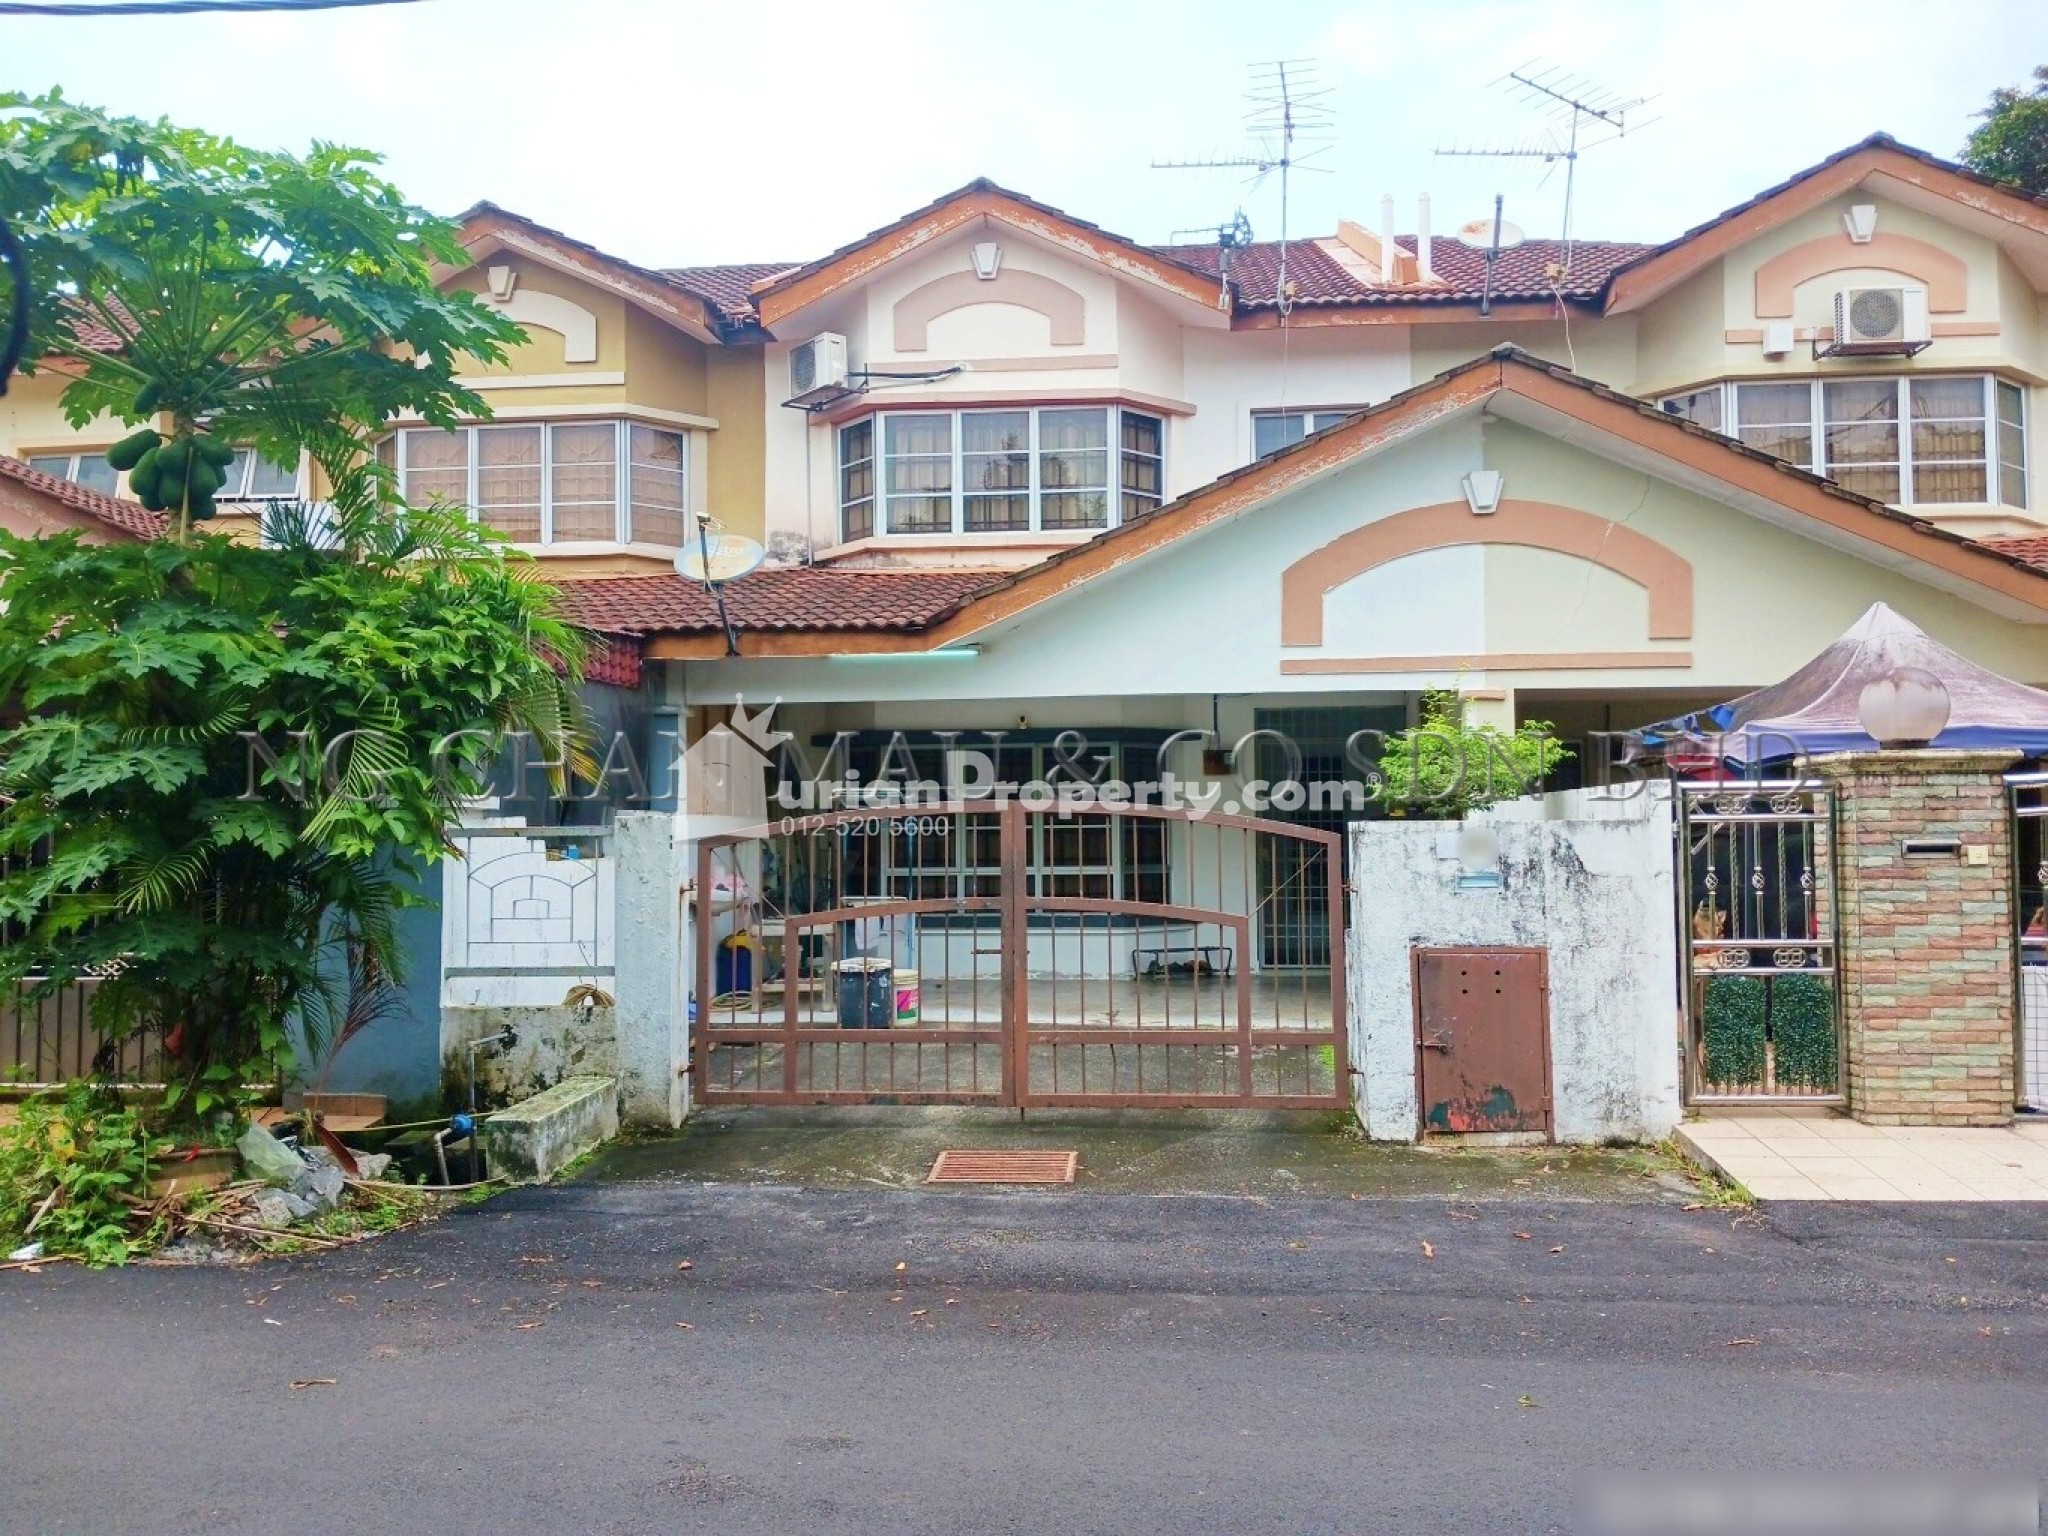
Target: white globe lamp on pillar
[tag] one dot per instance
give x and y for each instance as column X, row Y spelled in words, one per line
column 1907, row 707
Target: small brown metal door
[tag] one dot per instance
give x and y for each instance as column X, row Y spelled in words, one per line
column 1482, row 1039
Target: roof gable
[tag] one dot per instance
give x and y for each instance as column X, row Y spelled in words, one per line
column 487, row 229
column 1896, row 169
column 982, row 201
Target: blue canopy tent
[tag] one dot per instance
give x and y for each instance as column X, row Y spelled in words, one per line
column 1818, row 708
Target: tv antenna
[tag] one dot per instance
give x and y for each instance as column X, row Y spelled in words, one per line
column 1572, row 105
column 1288, row 125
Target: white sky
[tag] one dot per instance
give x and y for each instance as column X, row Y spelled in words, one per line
column 680, row 131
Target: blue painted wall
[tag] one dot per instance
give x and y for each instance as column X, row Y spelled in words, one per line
column 399, row 1056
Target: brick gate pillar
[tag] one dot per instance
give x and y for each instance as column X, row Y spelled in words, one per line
column 1926, row 957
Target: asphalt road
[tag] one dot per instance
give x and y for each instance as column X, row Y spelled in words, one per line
column 883, row 1361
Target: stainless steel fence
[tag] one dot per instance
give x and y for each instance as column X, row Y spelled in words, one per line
column 1756, row 887
column 2030, row 934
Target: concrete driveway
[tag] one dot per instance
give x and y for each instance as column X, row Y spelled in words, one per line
column 906, row 1361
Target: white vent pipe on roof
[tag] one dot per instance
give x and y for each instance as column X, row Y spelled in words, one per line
column 1423, row 266
column 1387, row 272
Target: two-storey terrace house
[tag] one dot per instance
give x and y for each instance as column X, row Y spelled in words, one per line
column 1019, row 474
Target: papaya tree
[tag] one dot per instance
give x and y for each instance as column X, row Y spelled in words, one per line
column 216, row 296
column 215, row 756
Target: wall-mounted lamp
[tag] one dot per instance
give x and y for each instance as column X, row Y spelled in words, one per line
column 1482, row 490
column 1906, row 708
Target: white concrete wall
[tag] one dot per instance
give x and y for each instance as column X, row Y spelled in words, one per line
column 653, row 1032
column 509, row 902
column 1587, row 878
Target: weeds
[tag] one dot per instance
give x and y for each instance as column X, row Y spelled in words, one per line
column 73, row 1173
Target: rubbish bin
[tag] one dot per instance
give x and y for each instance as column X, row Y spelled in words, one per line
column 867, row 993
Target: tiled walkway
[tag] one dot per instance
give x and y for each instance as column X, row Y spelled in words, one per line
column 1795, row 1155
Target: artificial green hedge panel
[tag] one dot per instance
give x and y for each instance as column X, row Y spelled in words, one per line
column 1734, row 1027
column 1803, row 1029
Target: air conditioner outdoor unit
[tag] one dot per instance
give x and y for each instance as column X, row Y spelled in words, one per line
column 1871, row 321
column 817, row 369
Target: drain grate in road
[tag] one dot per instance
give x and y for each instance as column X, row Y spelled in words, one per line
column 955, row 1166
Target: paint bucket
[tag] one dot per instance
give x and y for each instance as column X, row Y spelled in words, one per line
column 867, row 993
column 906, row 997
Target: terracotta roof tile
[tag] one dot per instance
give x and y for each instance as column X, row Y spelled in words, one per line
column 1318, row 279
column 2032, row 548
column 729, row 288
column 128, row 516
column 781, row 598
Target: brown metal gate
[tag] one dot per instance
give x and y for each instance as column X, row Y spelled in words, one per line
column 1030, row 954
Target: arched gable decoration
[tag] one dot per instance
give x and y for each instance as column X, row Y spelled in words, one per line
column 576, row 325
column 1661, row 572
column 1946, row 277
column 1062, row 307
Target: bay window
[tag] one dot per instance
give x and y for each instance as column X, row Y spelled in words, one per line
column 565, row 482
column 1013, row 470
column 1909, row 440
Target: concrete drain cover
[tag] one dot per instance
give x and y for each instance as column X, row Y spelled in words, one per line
column 961, row 1167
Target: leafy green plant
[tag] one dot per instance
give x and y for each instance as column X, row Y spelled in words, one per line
column 1733, row 1027
column 253, row 298
column 1445, row 766
column 225, row 751
column 1803, row 1039
column 70, row 1168
column 2012, row 142
column 223, row 757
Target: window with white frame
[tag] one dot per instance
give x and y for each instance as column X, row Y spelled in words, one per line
column 89, row 469
column 1909, row 439
column 252, row 477
column 563, row 482
column 1274, row 430
column 1010, row 470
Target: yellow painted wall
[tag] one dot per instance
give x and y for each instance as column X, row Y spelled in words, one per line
column 736, row 478
column 31, row 420
column 1684, row 333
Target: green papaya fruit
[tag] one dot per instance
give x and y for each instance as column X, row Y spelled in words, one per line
column 203, row 479
column 149, row 399
column 142, row 478
column 128, row 452
column 215, row 452
column 149, row 497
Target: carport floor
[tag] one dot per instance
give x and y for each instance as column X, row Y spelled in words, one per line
column 1239, row 1153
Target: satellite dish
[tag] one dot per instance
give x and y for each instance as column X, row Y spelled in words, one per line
column 1480, row 233
column 719, row 558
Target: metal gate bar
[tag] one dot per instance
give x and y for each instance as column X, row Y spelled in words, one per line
column 1062, row 955
column 2030, row 938
column 1758, row 930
